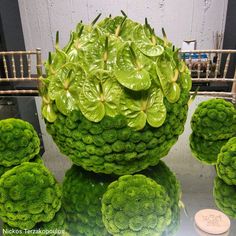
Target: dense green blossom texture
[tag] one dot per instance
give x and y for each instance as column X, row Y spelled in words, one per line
column 115, row 97
column 136, row 205
column 214, row 119
column 29, row 194
column 55, row 227
column 166, row 178
column 19, row 142
column 82, row 194
column 226, row 162
column 225, row 197
column 205, row 150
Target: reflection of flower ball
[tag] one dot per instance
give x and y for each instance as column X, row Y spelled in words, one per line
column 136, row 205
column 29, row 194
column 82, row 193
column 226, row 162
column 19, row 142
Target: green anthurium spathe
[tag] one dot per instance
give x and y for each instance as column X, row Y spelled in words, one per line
column 130, row 71
column 47, row 109
column 142, row 107
column 185, row 79
column 99, row 96
column 168, row 76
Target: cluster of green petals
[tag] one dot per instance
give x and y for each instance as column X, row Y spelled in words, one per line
column 226, row 162
column 82, row 194
column 225, row 197
column 19, row 142
column 29, row 194
column 136, row 205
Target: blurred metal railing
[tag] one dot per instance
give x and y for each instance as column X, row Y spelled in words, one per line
column 17, row 68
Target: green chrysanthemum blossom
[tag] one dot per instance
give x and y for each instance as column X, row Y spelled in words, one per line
column 166, row 178
column 205, row 150
column 136, row 205
column 82, row 193
column 214, row 119
column 225, row 197
column 226, row 162
column 19, row 142
column 29, row 194
column 115, row 97
column 55, row 227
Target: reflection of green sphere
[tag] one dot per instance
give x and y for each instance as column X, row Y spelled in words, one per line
column 165, row 177
column 226, row 163
column 225, row 197
column 136, row 205
column 19, row 142
column 214, row 119
column 82, row 193
column 55, row 227
column 29, row 194
column 205, row 150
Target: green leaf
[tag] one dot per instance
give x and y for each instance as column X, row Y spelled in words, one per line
column 100, row 96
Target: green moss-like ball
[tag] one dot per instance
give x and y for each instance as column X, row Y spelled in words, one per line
column 55, row 227
column 225, row 197
column 166, row 178
column 205, row 150
column 214, row 119
column 226, row 162
column 136, row 205
column 82, row 193
column 29, row 194
column 19, row 142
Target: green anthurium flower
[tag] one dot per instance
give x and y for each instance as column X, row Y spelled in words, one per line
column 131, row 72
column 99, row 96
column 185, row 79
column 47, row 109
column 143, row 106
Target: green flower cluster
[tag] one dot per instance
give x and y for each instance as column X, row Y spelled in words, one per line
column 213, row 123
column 225, row 197
column 19, row 142
column 29, row 194
column 82, row 193
column 55, row 227
column 166, row 178
column 136, row 205
column 115, row 97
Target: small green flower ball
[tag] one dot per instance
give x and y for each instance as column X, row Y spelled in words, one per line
column 226, row 163
column 19, row 142
column 29, row 194
column 214, row 119
column 225, row 197
column 137, row 206
column 205, row 150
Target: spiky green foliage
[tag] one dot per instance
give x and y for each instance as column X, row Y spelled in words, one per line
column 115, row 97
column 36, row 159
column 166, row 178
column 82, row 193
column 225, row 197
column 226, row 162
column 214, row 119
column 55, row 227
column 29, row 194
column 136, row 205
column 205, row 150
column 19, row 142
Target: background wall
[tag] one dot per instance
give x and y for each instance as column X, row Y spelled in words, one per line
column 182, row 19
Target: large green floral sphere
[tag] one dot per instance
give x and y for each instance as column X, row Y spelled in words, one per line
column 82, row 194
column 29, row 194
column 115, row 97
column 225, row 197
column 136, row 205
column 214, row 119
column 166, row 178
column 226, row 162
column 19, row 142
